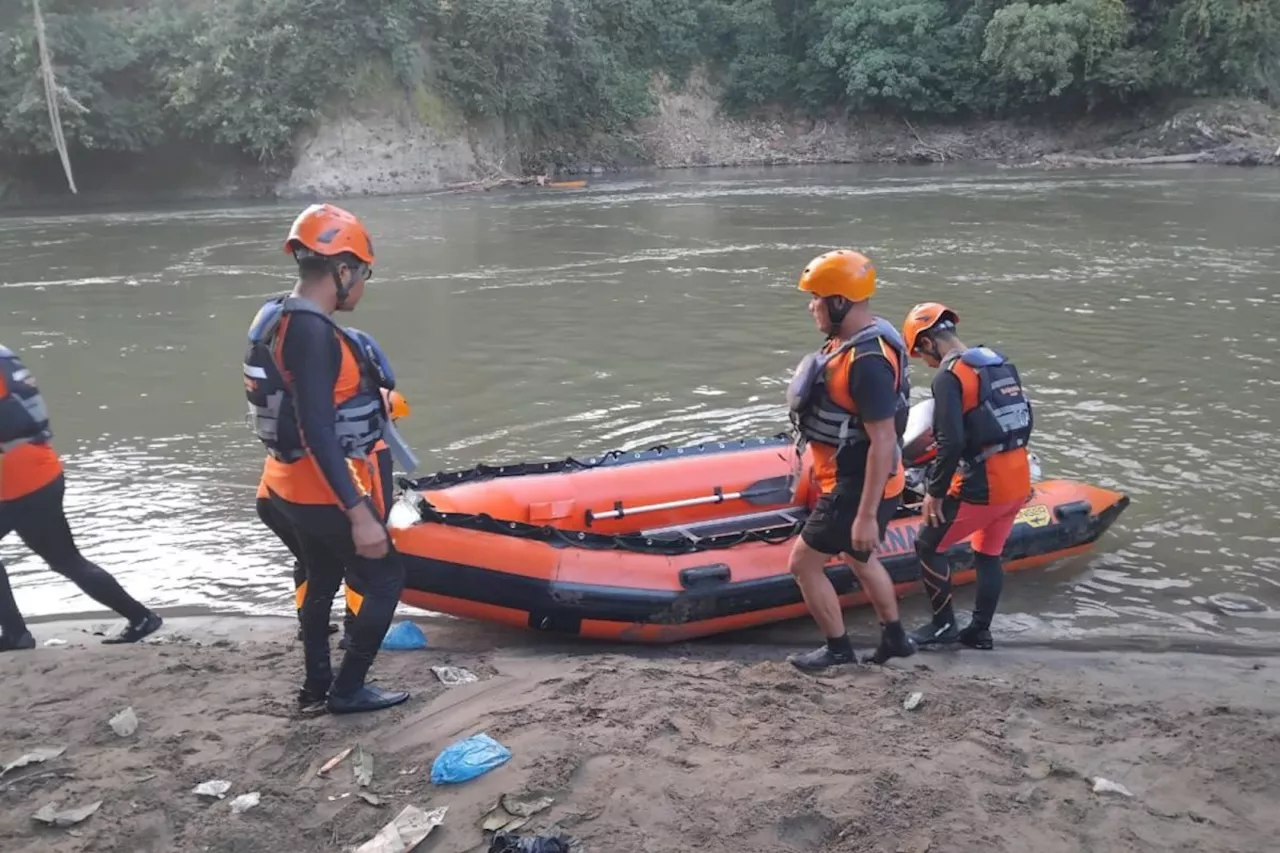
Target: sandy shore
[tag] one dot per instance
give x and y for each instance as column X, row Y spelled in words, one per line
column 710, row 747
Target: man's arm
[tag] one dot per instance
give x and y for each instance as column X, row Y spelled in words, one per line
column 312, row 356
column 948, row 432
column 872, row 384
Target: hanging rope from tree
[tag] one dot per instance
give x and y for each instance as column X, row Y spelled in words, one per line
column 51, row 95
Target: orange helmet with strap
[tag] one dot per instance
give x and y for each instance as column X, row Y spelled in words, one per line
column 924, row 317
column 842, row 272
column 328, row 230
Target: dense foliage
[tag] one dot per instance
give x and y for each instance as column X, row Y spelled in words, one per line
column 250, row 73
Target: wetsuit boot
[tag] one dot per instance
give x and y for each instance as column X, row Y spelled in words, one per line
column 135, row 631
column 940, row 631
column 836, row 652
column 17, row 642
column 315, row 653
column 976, row 637
column 977, row 634
column 349, row 694
column 894, row 643
column 937, row 582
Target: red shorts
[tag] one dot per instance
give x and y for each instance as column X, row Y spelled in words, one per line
column 988, row 524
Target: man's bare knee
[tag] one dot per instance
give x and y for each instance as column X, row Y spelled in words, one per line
column 805, row 561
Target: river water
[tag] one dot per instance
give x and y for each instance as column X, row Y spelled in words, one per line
column 1139, row 305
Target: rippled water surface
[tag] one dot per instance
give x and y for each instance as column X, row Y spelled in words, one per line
column 1141, row 307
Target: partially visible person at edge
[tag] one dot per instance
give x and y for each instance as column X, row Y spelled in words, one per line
column 849, row 403
column 397, row 407
column 315, row 397
column 32, row 487
column 981, row 476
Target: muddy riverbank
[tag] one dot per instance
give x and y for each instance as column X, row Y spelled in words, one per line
column 714, row 747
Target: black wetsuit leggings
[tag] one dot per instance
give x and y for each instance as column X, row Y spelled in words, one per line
column 271, row 516
column 275, row 520
column 41, row 523
column 328, row 555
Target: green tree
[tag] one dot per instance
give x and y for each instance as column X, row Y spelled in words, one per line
column 107, row 95
column 1224, row 46
column 1076, row 49
column 136, row 74
column 895, row 55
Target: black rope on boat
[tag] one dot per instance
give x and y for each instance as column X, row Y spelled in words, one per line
column 635, row 542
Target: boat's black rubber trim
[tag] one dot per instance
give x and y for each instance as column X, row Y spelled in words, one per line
column 561, row 607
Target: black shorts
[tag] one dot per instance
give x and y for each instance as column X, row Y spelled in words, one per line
column 829, row 528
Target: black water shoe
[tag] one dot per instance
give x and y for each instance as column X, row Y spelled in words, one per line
column 976, row 638
column 18, row 643
column 934, row 634
column 135, row 632
column 837, row 652
column 367, row 698
column 312, row 699
column 894, row 643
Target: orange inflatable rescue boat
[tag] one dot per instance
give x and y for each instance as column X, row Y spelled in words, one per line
column 668, row 544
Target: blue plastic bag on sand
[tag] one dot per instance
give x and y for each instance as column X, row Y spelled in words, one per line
column 405, row 635
column 467, row 759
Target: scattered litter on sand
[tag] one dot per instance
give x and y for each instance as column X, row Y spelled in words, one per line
column 405, row 832
column 333, row 762
column 708, row 747
column 468, row 758
column 213, row 788
column 67, row 817
column 506, row 843
column 244, row 802
column 404, row 636
column 511, row 812
column 1106, row 786
column 362, row 767
column 124, row 723
column 454, row 675
column 35, row 756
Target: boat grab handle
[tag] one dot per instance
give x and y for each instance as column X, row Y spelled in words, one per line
column 699, row 575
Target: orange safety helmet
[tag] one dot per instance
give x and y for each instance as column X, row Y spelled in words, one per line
column 922, row 318
column 843, row 272
column 397, row 405
column 325, row 229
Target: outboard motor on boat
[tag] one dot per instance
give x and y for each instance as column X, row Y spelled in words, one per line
column 918, row 446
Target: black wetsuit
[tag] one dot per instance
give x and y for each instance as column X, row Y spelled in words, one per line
column 312, row 357
column 41, row 522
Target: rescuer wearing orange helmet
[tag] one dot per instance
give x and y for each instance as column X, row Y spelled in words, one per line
column 981, row 476
column 315, row 398
column 849, row 402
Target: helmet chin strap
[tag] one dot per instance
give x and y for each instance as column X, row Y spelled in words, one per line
column 343, row 290
column 837, row 309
